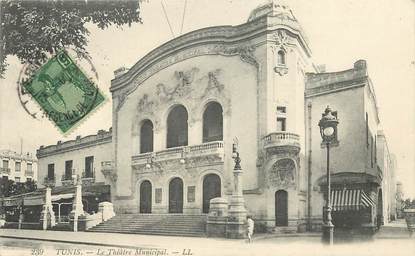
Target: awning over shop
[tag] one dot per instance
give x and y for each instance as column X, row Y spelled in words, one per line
column 350, row 200
column 62, row 196
column 58, row 193
column 12, row 201
column 34, row 200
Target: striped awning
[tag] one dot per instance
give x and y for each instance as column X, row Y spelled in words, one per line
column 350, row 200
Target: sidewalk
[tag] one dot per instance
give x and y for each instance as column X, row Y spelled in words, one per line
column 305, row 244
column 113, row 239
column 394, row 230
column 196, row 245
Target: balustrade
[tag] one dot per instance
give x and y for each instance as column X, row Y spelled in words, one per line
column 5, row 170
column 281, row 139
column 49, row 181
column 210, row 148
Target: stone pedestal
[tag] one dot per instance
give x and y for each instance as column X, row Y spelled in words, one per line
column 44, row 218
column 77, row 214
column 217, row 218
column 47, row 216
column 236, row 226
column 107, row 210
column 80, row 222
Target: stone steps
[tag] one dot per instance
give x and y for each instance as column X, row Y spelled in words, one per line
column 155, row 224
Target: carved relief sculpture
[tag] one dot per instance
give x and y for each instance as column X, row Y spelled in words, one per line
column 282, row 173
column 181, row 89
column 246, row 53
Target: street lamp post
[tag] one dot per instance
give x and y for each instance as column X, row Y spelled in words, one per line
column 237, row 170
column 328, row 131
column 236, row 225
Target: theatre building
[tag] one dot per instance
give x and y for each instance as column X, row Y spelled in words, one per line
column 178, row 111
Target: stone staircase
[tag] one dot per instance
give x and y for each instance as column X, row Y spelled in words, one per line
column 155, row 224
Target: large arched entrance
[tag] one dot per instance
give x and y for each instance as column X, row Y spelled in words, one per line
column 211, row 189
column 281, row 208
column 212, row 123
column 176, row 196
column 145, row 197
column 177, row 127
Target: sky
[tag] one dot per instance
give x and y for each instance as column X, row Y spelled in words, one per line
column 340, row 32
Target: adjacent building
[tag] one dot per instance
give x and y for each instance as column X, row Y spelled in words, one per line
column 387, row 164
column 360, row 165
column 63, row 164
column 80, row 157
column 18, row 167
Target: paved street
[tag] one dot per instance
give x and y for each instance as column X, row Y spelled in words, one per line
column 23, row 247
column 107, row 244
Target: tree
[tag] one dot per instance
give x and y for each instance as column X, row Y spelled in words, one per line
column 10, row 188
column 31, row 29
column 408, row 204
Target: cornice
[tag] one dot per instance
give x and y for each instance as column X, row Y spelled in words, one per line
column 335, row 87
column 62, row 148
column 220, row 36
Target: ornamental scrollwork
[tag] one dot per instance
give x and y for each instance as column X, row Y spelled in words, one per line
column 281, row 39
column 245, row 52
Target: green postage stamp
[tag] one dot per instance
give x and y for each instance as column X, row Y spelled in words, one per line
column 63, row 91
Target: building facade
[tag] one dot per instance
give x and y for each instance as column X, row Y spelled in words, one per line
column 81, row 157
column 387, row 164
column 179, row 111
column 18, row 167
column 360, row 165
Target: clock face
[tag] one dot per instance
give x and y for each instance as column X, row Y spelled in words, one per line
column 328, row 131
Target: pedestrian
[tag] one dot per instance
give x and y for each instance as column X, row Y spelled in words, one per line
column 250, row 225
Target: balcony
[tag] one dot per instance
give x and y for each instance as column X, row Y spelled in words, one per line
column 5, row 170
column 49, row 181
column 88, row 177
column 188, row 156
column 282, row 142
column 29, row 173
column 67, row 180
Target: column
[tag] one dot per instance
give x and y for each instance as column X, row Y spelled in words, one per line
column 237, row 212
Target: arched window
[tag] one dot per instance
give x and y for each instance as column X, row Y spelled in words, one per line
column 281, row 57
column 146, row 137
column 212, row 122
column 177, row 127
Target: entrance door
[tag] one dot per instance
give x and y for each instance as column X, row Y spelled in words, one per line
column 176, row 196
column 281, row 208
column 145, row 197
column 211, row 189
